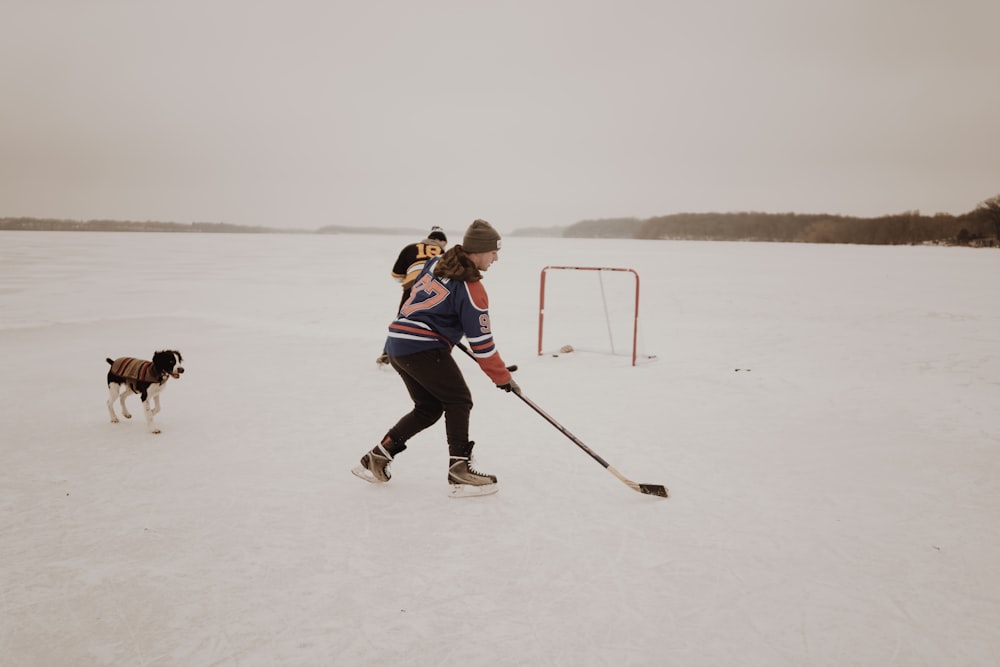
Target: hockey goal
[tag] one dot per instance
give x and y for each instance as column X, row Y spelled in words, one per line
column 577, row 307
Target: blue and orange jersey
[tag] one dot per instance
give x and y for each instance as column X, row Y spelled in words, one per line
column 439, row 313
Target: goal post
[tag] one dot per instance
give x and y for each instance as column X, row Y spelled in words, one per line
column 541, row 301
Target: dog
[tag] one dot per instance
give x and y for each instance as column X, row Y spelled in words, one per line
column 129, row 375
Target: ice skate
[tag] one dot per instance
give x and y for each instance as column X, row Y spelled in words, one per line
column 467, row 482
column 374, row 465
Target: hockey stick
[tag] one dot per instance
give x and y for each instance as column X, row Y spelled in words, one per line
column 648, row 489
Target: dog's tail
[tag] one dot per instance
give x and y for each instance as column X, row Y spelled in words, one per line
column 110, row 362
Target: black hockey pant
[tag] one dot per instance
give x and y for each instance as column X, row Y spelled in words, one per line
column 437, row 387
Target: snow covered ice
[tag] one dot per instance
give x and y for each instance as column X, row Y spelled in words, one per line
column 825, row 418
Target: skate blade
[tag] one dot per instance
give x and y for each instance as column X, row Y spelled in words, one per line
column 472, row 490
column 366, row 474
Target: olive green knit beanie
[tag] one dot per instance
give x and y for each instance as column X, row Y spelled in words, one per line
column 481, row 237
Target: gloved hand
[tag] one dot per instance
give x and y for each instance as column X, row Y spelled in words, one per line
column 510, row 386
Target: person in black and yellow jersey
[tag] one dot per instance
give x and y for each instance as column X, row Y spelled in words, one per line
column 411, row 262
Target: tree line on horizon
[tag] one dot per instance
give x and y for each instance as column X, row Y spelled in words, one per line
column 978, row 227
column 61, row 225
column 981, row 226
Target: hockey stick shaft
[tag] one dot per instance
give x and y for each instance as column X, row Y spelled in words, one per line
column 648, row 489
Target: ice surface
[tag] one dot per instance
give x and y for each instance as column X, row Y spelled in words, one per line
column 824, row 416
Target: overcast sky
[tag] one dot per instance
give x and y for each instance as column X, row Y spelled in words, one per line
column 305, row 113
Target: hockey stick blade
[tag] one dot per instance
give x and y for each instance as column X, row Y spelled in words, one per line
column 654, row 490
column 649, row 489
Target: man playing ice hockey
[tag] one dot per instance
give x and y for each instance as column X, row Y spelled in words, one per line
column 411, row 262
column 412, row 258
column 447, row 302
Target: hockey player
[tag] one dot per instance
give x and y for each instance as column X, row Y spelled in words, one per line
column 411, row 262
column 447, row 302
column 412, row 258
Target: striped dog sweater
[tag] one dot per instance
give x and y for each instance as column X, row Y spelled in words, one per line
column 135, row 369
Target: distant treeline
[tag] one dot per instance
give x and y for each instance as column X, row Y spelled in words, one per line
column 51, row 225
column 57, row 225
column 978, row 227
column 342, row 229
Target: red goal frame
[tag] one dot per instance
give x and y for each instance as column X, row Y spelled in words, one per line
column 541, row 301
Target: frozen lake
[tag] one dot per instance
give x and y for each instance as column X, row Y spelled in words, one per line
column 824, row 416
